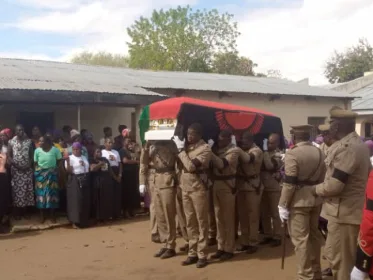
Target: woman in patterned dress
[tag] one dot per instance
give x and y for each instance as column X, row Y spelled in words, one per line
column 20, row 155
column 46, row 159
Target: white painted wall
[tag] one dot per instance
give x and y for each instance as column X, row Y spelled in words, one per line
column 93, row 118
column 292, row 110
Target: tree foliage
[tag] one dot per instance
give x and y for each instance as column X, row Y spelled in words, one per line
column 101, row 58
column 351, row 64
column 233, row 64
column 181, row 39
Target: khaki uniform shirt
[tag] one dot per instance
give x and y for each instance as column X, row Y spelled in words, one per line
column 343, row 190
column 225, row 166
column 194, row 178
column 270, row 175
column 157, row 165
column 304, row 168
column 248, row 172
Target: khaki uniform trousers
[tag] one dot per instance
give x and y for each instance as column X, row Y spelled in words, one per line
column 270, row 218
column 224, row 205
column 328, row 249
column 343, row 242
column 306, row 238
column 195, row 205
column 248, row 206
column 181, row 215
column 165, row 213
column 212, row 219
column 153, row 221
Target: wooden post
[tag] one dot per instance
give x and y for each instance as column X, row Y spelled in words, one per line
column 78, row 120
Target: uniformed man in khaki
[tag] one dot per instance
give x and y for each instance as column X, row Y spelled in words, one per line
column 249, row 193
column 158, row 165
column 328, row 141
column 271, row 177
column 143, row 181
column 225, row 163
column 195, row 158
column 304, row 168
column 343, row 190
column 180, row 212
column 212, row 220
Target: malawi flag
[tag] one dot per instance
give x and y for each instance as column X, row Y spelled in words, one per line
column 213, row 116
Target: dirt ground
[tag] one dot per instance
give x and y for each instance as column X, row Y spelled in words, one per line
column 123, row 251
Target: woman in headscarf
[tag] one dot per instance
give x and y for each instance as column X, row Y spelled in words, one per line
column 130, row 195
column 102, row 183
column 76, row 137
column 116, row 166
column 5, row 189
column 78, row 187
column 46, row 159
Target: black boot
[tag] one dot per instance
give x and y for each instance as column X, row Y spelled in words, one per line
column 252, row 250
column 168, row 254
column 189, row 261
column 266, row 241
column 160, row 253
column 276, row 243
column 201, row 263
column 184, row 248
column 243, row 248
column 218, row 254
column 226, row 256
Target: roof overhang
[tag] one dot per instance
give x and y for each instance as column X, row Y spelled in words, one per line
column 77, row 97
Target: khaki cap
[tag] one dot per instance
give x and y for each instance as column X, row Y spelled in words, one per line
column 339, row 113
column 306, row 128
column 324, row 127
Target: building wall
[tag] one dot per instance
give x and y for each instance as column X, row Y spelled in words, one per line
column 292, row 110
column 362, row 124
column 93, row 118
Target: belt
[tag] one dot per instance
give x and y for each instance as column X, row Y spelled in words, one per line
column 307, row 183
column 197, row 172
column 369, row 204
column 223, row 177
column 163, row 170
column 243, row 177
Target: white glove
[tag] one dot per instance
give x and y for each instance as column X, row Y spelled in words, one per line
column 315, row 144
column 282, row 157
column 211, row 143
column 265, row 144
column 179, row 143
column 357, row 274
column 233, row 140
column 142, row 190
column 284, row 213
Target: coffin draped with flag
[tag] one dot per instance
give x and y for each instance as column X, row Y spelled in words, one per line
column 177, row 114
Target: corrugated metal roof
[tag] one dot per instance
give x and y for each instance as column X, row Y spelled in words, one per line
column 366, row 100
column 55, row 76
column 48, row 75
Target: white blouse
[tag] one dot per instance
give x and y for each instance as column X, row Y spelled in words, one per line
column 112, row 156
column 79, row 165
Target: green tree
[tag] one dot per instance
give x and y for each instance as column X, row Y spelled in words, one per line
column 101, row 58
column 181, row 39
column 233, row 64
column 351, row 64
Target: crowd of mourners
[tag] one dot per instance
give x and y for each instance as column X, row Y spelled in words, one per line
column 68, row 171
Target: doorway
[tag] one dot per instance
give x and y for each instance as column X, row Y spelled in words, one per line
column 44, row 120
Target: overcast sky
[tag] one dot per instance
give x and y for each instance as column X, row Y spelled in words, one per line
column 293, row 36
